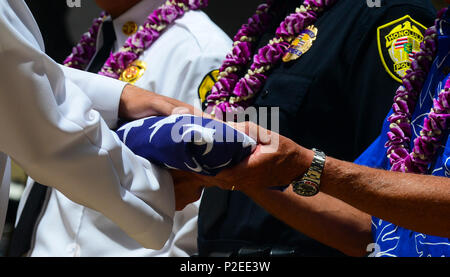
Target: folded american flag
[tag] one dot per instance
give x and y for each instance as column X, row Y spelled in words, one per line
column 187, row 142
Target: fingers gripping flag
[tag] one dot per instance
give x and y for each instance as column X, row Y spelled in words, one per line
column 187, row 142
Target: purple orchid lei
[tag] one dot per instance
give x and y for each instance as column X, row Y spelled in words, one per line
column 232, row 93
column 84, row 51
column 136, row 44
column 435, row 124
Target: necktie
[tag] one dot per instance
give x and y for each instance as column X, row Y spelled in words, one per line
column 109, row 37
column 22, row 235
column 21, row 238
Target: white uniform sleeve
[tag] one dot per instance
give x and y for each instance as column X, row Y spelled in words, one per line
column 185, row 232
column 104, row 92
column 50, row 128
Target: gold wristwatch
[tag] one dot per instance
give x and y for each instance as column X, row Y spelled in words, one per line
column 309, row 184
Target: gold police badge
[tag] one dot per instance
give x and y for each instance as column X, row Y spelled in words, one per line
column 133, row 72
column 129, row 28
column 301, row 44
column 206, row 86
column 398, row 41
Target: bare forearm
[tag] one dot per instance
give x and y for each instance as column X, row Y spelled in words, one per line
column 322, row 217
column 417, row 202
column 136, row 103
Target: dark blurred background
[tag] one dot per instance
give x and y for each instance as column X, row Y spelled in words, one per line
column 62, row 28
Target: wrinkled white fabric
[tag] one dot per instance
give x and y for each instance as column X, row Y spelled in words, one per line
column 49, row 126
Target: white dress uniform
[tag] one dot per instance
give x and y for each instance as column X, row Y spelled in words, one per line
column 176, row 64
column 49, row 126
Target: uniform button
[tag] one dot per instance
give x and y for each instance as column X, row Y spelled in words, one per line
column 129, row 28
column 265, row 93
column 74, row 250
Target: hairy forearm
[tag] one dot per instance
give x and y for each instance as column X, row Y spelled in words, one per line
column 417, row 202
column 321, row 217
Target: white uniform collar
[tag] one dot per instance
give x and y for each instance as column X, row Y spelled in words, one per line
column 138, row 14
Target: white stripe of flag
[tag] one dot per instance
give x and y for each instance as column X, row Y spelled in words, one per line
column 400, row 42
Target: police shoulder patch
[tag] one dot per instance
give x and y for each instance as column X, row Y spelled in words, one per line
column 206, row 86
column 398, row 41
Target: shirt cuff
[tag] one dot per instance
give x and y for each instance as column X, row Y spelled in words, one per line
column 106, row 98
column 104, row 92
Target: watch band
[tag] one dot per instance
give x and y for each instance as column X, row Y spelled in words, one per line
column 309, row 183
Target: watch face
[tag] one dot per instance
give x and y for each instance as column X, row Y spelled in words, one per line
column 305, row 188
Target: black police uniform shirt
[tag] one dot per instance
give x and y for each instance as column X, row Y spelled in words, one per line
column 333, row 98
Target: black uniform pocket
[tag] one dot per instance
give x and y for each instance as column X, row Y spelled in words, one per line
column 285, row 91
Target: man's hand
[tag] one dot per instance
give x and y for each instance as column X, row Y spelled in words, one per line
column 136, row 103
column 188, row 188
column 271, row 164
column 276, row 161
